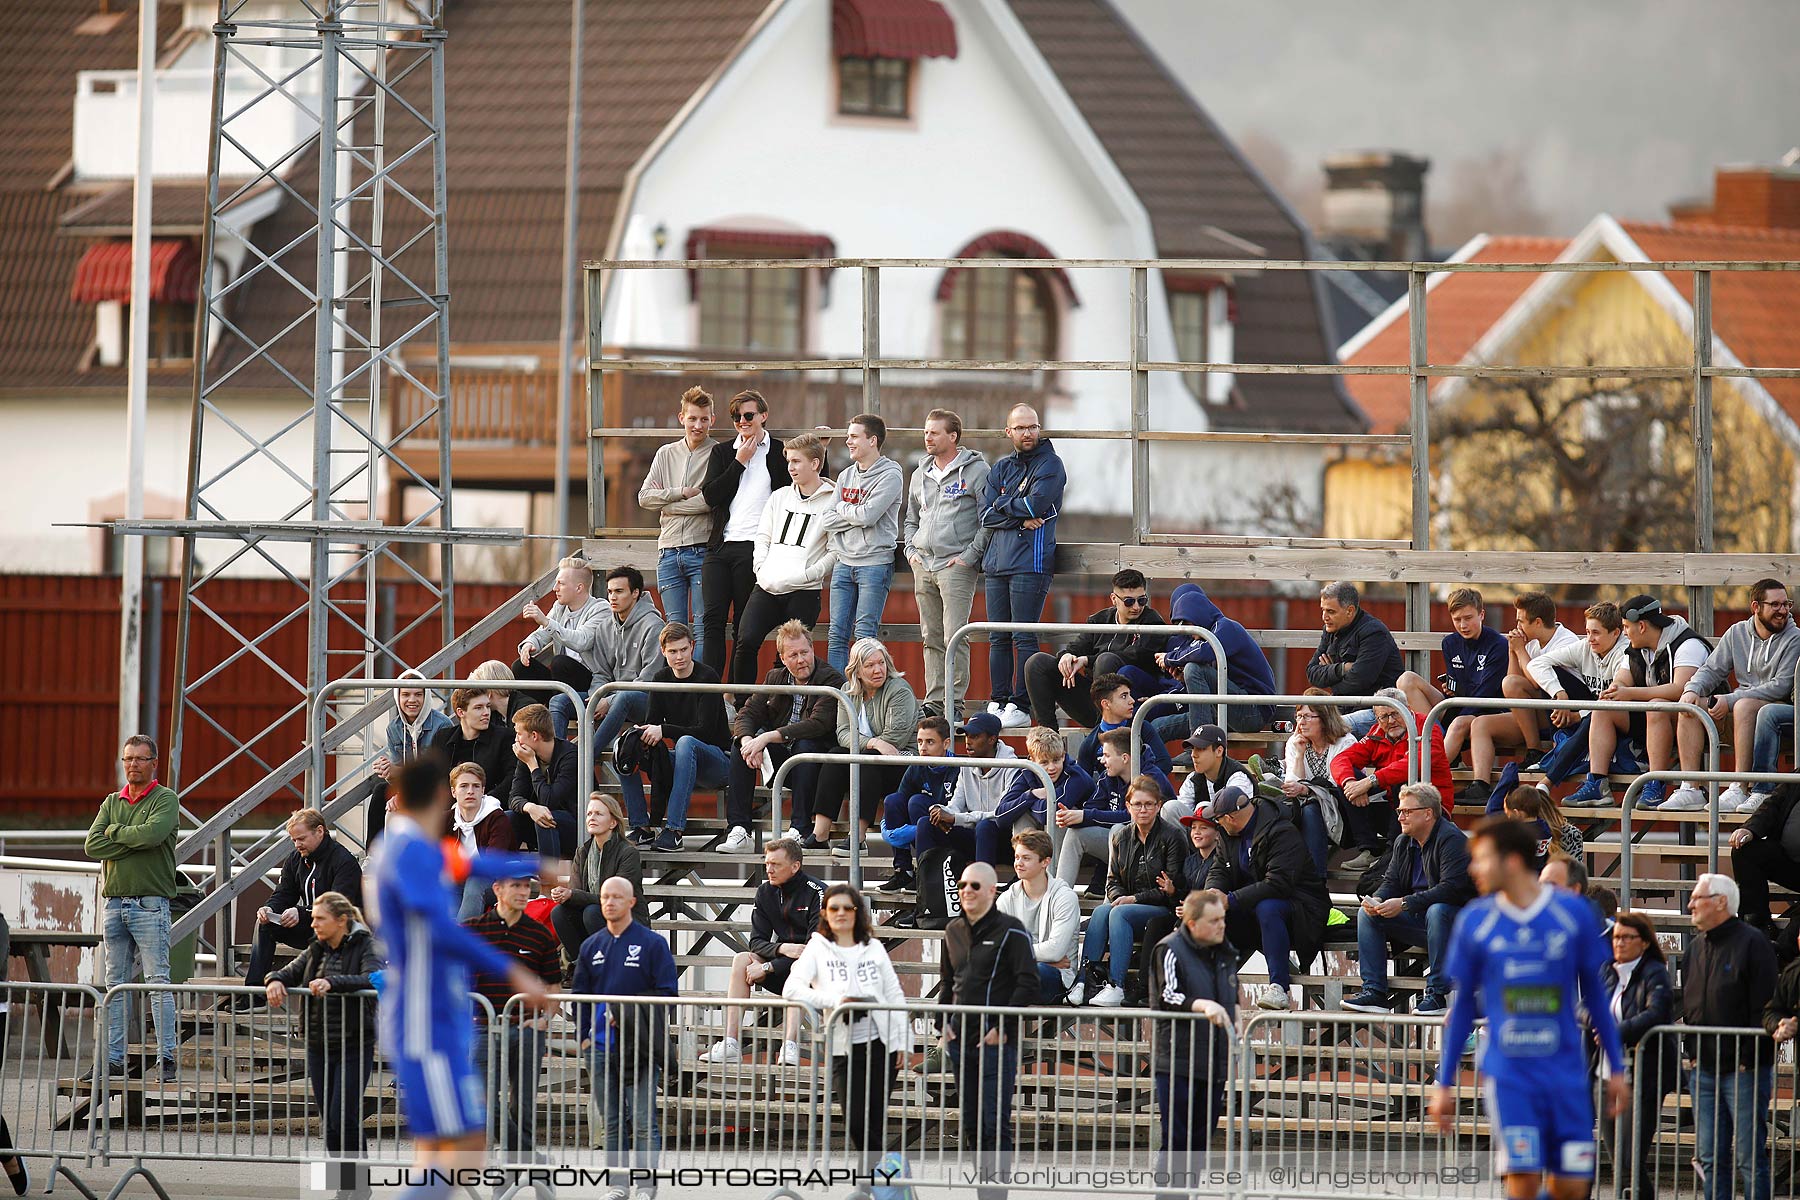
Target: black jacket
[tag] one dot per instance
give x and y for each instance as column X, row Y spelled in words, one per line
column 1728, row 978
column 618, row 857
column 1135, row 863
column 1280, row 869
column 1649, row 1001
column 332, row 868
column 1446, row 855
column 723, row 474
column 1771, row 817
column 1364, row 657
column 1181, row 972
column 336, row 1018
column 1785, row 1002
column 1137, row 649
column 987, row 962
column 788, row 913
column 763, row 711
column 554, row 785
column 690, row 714
column 491, row 749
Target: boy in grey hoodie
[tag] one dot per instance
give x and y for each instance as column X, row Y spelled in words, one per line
column 627, row 645
column 863, row 527
column 1761, row 652
column 944, row 540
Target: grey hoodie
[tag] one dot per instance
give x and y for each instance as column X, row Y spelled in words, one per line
column 864, row 523
column 943, row 511
column 575, row 633
column 1764, row 666
column 979, row 790
column 628, row 649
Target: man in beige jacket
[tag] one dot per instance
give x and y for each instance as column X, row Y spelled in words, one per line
column 672, row 491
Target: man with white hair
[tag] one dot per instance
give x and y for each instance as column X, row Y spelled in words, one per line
column 1727, row 980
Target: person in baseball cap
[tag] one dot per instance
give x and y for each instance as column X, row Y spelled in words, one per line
column 1206, row 737
column 1212, row 768
column 981, row 724
column 1234, row 796
column 1665, row 653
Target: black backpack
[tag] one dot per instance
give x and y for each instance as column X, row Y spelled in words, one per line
column 938, row 871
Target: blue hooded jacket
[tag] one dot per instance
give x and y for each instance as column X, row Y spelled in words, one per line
column 1246, row 666
column 1019, row 488
column 1074, row 787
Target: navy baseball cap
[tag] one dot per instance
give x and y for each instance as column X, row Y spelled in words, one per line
column 1206, row 737
column 982, row 722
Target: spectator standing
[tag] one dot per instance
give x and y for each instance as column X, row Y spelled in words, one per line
column 340, row 1023
column 783, row 916
column 1020, row 505
column 945, row 541
column 978, row 794
column 1581, row 671
column 1760, row 654
column 1320, row 735
column 862, row 527
column 883, row 717
column 479, row 822
column 1728, row 980
column 1274, row 897
column 694, row 724
column 1642, row 999
column 565, row 647
column 1247, row 670
column 843, row 963
column 628, row 1042
column 741, row 475
column 792, row 557
column 133, row 836
column 474, row 737
column 1065, row 681
column 1357, row 655
column 521, row 1064
column 673, row 491
column 605, row 853
column 770, row 726
column 319, row 864
column 1114, row 701
column 409, row 731
column 927, row 784
column 1192, row 970
column 1089, row 828
column 1370, row 773
column 1475, row 660
column 1048, row 909
column 1665, row 652
column 1766, row 849
column 1535, row 631
column 630, row 650
column 987, row 961
column 1426, row 885
column 1145, row 861
column 1212, row 768
column 544, row 785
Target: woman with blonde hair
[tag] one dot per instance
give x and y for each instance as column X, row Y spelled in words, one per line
column 606, row 852
column 883, row 718
column 1320, row 735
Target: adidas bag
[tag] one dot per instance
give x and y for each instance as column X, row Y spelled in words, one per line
column 938, row 870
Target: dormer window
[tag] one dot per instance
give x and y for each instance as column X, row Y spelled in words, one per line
column 874, row 87
column 878, row 44
column 103, row 279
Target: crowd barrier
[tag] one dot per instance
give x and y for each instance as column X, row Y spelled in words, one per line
column 1715, row 1113
column 50, row 1033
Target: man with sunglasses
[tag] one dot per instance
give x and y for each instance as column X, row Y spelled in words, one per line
column 1760, row 652
column 741, row 475
column 1066, row 680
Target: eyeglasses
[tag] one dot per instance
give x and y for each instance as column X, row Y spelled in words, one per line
column 1703, row 896
column 840, row 908
column 131, row 758
column 969, row 885
column 1131, row 601
column 1023, row 428
column 1777, row 606
column 1401, row 812
column 745, row 416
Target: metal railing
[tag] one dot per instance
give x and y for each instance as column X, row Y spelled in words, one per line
column 1413, row 739
column 1712, row 811
column 1035, row 627
column 1709, row 1100
column 1501, row 704
column 50, row 1034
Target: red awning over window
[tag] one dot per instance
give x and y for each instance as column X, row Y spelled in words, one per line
column 892, row 29
column 1004, row 242
column 104, row 272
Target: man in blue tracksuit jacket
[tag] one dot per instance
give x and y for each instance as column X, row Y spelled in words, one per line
column 1020, row 503
column 924, row 785
column 1247, row 671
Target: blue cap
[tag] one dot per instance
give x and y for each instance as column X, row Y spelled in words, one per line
column 982, row 722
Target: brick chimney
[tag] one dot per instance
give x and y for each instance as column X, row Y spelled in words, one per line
column 1375, row 205
column 1749, row 197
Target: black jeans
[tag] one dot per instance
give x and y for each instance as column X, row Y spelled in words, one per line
column 338, row 1072
column 864, row 1080
column 834, row 786
column 1755, row 865
column 726, row 580
column 268, row 934
column 802, row 781
column 1043, row 683
column 575, row 923
column 763, row 614
column 555, row 841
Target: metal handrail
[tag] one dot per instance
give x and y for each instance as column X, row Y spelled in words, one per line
column 1712, row 812
column 1413, row 740
column 1501, row 704
column 888, row 760
column 956, row 639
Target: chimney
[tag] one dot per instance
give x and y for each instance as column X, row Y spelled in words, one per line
column 1748, row 197
column 1375, row 205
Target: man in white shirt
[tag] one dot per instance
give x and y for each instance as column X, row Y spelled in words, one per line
column 741, row 475
column 1048, row 909
column 1581, row 671
column 1535, row 631
column 1665, row 652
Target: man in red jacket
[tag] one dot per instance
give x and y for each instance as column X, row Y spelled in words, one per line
column 1371, row 771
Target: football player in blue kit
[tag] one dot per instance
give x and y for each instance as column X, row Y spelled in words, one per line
column 1529, row 952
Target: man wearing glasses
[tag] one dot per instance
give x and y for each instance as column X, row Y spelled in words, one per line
column 1760, row 652
column 1020, row 504
column 1371, row 771
column 1066, row 680
column 133, row 836
column 741, row 475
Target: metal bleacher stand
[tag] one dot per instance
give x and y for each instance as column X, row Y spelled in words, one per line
column 973, row 627
column 1710, row 777
column 1219, row 698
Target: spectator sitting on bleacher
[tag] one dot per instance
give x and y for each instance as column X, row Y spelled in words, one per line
column 1025, row 803
column 1089, row 828
column 319, row 864
column 1247, row 671
column 1535, row 631
column 1048, row 909
column 925, row 786
column 1356, row 656
column 1781, row 1016
column 782, row 919
column 1320, row 735
column 1766, row 849
column 695, row 723
column 1115, row 703
column 1275, row 898
column 1475, row 659
column 605, row 852
column 1066, row 680
column 1145, row 861
column 1760, row 653
column 1212, row 767
column 409, row 731
column 511, row 1078
column 544, row 785
column 1371, row 771
column 979, row 791
column 565, row 646
column 1534, row 807
column 1561, row 871
column 770, row 726
column 1427, row 884
column 1203, row 843
column 1581, row 670
column 630, row 651
column 883, row 718
column 475, row 737
column 480, row 823
column 1665, row 653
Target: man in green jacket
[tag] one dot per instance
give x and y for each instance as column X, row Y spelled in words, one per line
column 134, row 838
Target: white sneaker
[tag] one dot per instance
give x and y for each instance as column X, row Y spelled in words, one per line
column 995, row 708
column 736, row 841
column 1272, row 997
column 727, row 1051
column 1686, row 798
column 1752, row 802
column 790, row 1055
column 1733, row 798
column 1110, row 996
column 794, row 835
column 1014, row 717
column 1077, row 992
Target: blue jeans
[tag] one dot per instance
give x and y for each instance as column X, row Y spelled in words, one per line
column 1050, row 984
column 1772, row 721
column 1315, row 835
column 1731, row 1119
column 1200, row 680
column 512, row 1096
column 626, row 708
column 1432, row 931
column 1013, row 598
column 858, row 594
column 1264, row 928
column 678, row 583
column 137, row 933
column 1113, row 931
column 901, row 819
column 695, row 764
column 1360, row 720
column 628, row 1113
column 477, row 894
